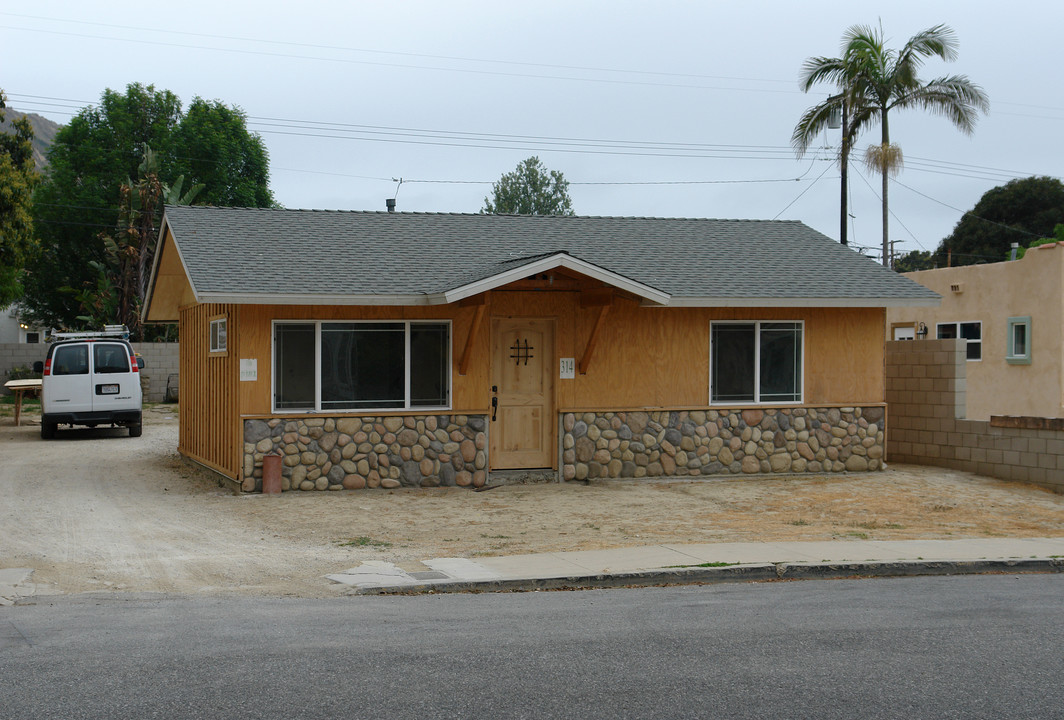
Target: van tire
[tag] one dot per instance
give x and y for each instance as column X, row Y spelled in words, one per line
column 136, row 430
column 48, row 430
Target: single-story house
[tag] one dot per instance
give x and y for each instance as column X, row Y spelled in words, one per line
column 378, row 349
column 1011, row 319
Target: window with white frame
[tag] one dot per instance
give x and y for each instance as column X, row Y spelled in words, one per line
column 758, row 362
column 337, row 366
column 1018, row 351
column 972, row 332
column 219, row 330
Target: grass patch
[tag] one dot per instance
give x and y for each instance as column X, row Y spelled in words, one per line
column 363, row 541
column 496, row 537
column 858, row 535
column 26, row 401
column 894, row 526
column 800, row 522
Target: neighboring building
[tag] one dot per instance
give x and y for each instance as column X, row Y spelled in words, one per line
column 14, row 330
column 1011, row 315
column 387, row 349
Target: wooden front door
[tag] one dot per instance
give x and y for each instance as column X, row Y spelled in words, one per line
column 522, row 359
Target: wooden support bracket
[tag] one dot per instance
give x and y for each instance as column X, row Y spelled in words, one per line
column 589, row 350
column 471, row 338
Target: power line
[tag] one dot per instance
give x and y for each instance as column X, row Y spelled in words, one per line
column 966, row 212
column 470, row 71
column 452, row 58
column 889, row 210
column 803, row 192
column 482, row 140
column 448, row 58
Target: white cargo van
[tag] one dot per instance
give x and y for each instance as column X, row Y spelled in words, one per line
column 91, row 379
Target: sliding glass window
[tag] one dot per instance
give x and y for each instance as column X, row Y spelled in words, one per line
column 337, row 366
column 755, row 362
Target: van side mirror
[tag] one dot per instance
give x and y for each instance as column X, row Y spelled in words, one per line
column 140, row 362
column 38, row 367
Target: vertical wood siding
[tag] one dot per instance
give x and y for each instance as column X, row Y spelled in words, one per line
column 210, row 417
column 645, row 357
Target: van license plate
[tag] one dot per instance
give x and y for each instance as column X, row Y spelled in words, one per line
column 108, row 389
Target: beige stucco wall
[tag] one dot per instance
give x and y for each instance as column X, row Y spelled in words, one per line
column 991, row 294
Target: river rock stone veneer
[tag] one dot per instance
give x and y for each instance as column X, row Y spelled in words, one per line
column 347, row 453
column 721, row 442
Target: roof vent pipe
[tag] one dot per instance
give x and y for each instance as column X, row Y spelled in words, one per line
column 1015, row 248
column 390, row 203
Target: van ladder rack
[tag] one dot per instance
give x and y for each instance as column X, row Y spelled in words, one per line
column 109, row 331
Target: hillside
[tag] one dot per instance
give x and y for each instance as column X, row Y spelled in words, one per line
column 44, row 131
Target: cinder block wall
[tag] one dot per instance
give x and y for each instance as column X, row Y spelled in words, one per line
column 19, row 355
column 926, row 399
column 161, row 360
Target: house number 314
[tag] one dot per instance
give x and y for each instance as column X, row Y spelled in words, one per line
column 567, row 369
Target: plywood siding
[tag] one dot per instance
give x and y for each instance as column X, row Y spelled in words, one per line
column 170, row 289
column 645, row 357
column 844, row 361
column 210, row 423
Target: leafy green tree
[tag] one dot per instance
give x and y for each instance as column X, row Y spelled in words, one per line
column 17, row 178
column 93, row 157
column 1019, row 211
column 531, row 189
column 872, row 80
column 915, row 260
column 212, row 146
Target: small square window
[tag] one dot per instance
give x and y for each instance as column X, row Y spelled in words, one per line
column 1018, row 350
column 219, row 330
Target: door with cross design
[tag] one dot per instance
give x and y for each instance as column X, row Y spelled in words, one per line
column 522, row 425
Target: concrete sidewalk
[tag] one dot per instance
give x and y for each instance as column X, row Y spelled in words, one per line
column 721, row 562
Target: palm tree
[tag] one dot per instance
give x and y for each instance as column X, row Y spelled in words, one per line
column 872, row 80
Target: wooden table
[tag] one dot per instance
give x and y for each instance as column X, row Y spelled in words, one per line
column 21, row 388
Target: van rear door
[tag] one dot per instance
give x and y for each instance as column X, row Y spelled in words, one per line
column 68, row 390
column 114, row 384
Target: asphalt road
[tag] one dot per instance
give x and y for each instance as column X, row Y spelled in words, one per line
column 939, row 647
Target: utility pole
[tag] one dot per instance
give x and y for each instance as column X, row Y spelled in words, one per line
column 844, row 162
column 893, row 254
column 836, row 120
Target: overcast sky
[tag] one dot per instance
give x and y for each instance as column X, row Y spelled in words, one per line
column 670, row 109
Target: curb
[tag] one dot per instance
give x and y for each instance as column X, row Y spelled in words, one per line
column 731, row 574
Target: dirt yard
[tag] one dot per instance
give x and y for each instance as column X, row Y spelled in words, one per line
column 96, row 510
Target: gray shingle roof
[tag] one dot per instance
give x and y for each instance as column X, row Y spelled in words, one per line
column 279, row 253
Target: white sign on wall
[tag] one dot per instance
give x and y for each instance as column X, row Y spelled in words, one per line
column 567, row 370
column 249, row 369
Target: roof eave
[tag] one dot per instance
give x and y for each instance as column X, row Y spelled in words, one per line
column 866, row 302
column 322, row 299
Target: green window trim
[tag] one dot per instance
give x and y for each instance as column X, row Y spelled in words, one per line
column 1018, row 341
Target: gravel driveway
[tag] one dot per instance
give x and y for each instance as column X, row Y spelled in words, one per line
column 96, row 510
